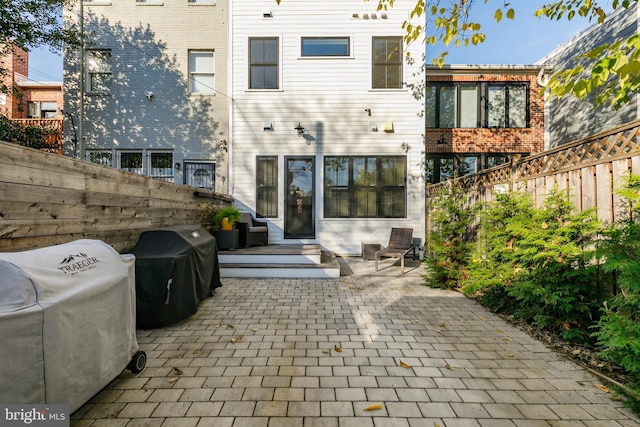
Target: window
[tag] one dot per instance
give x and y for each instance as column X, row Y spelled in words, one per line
column 263, row 63
column 267, row 186
column 99, row 75
column 387, row 63
column 440, row 167
column 101, row 157
column 202, row 71
column 365, row 187
column 325, row 46
column 200, row 174
column 42, row 110
column 161, row 165
column 474, row 105
column 130, row 161
column 207, row 2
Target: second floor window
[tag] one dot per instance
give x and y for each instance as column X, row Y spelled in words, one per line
column 99, row 74
column 386, row 63
column 263, row 63
column 325, row 46
column 474, row 105
column 202, row 71
column 42, row 110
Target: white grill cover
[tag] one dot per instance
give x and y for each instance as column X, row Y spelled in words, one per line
column 67, row 322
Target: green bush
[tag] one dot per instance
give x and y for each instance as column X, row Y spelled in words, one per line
column 618, row 330
column 28, row 136
column 449, row 245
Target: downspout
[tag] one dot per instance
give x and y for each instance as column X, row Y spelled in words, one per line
column 81, row 112
column 230, row 103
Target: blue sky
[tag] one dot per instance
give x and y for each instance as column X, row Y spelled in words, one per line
column 521, row 41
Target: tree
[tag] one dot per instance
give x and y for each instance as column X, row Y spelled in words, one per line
column 613, row 70
column 32, row 23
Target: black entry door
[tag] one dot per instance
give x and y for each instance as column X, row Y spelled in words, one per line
column 299, row 219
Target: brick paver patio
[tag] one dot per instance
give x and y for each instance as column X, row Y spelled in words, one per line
column 322, row 352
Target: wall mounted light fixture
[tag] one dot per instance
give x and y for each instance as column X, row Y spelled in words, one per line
column 368, row 111
column 442, row 140
column 299, row 129
column 177, row 165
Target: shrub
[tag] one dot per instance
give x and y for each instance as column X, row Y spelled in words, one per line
column 449, row 245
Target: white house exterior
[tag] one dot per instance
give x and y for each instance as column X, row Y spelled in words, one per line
column 327, row 136
column 154, row 88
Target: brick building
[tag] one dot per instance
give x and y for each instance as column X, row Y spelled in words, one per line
column 476, row 117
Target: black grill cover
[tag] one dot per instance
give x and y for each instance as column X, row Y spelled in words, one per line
column 176, row 269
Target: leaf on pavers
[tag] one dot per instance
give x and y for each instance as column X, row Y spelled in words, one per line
column 172, row 380
column 178, row 371
column 508, row 339
column 217, row 326
column 441, row 324
column 449, row 367
column 602, row 387
column 231, row 326
column 236, row 340
column 255, row 330
column 576, row 351
column 435, row 424
column 403, row 365
column 374, row 407
column 338, row 349
column 196, row 351
column 510, row 354
column 274, row 297
column 409, row 322
column 499, row 331
column 483, row 319
column 146, row 387
column 416, row 321
column 439, row 331
column 326, row 352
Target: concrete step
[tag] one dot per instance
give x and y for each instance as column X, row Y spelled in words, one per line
column 273, row 261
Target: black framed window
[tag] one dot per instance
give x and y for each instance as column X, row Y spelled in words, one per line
column 365, row 187
column 475, row 105
column 386, row 63
column 267, row 186
column 263, row 63
column 440, row 167
column 325, row 46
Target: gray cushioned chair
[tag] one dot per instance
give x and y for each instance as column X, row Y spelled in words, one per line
column 252, row 231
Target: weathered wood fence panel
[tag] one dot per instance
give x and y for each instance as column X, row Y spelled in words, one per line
column 48, row 199
column 591, row 169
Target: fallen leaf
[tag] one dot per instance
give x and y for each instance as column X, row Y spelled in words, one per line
column 441, row 324
column 231, row 326
column 326, row 351
column 178, row 371
column 274, row 297
column 172, row 380
column 403, row 365
column 499, row 331
column 435, row 424
column 576, row 351
column 510, row 354
column 196, row 351
column 508, row 339
column 602, row 387
column 236, row 340
column 482, row 318
column 338, row 349
column 217, row 326
column 409, row 322
column 255, row 330
column 544, row 225
column 439, row 331
column 449, row 367
column 416, row 321
column 374, row 407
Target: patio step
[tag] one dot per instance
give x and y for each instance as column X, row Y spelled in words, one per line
column 286, row 261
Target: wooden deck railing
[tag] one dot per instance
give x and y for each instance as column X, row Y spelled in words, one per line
column 591, row 169
column 53, row 139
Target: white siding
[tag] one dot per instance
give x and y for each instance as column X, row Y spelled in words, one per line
column 328, row 96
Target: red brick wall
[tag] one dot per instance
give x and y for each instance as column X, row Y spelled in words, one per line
column 483, row 140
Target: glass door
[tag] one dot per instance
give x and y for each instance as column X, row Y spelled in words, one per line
column 299, row 216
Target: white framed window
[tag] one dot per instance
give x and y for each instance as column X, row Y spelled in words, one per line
column 42, row 110
column 205, row 2
column 99, row 73
column 130, row 161
column 161, row 165
column 202, row 71
column 100, row 157
column 200, row 174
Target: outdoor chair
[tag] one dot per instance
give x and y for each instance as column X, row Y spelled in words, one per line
column 252, row 231
column 400, row 243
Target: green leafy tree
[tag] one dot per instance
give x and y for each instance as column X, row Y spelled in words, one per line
column 32, row 23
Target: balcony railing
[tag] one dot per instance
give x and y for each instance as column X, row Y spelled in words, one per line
column 53, row 140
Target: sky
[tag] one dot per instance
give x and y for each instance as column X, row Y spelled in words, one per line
column 522, row 41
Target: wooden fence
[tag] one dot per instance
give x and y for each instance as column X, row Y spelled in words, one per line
column 54, row 136
column 591, row 169
column 48, row 199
